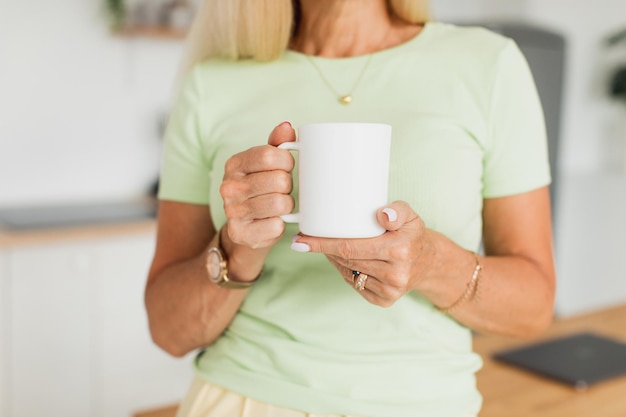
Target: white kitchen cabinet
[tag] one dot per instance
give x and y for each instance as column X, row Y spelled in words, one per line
column 50, row 330
column 133, row 373
column 590, row 243
column 4, row 308
column 75, row 340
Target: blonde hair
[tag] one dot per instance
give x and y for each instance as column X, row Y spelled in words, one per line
column 259, row 29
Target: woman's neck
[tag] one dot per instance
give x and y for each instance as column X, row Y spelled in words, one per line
column 342, row 28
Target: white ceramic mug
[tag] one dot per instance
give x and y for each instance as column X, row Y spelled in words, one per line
column 343, row 178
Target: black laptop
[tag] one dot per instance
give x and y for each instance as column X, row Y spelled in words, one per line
column 579, row 360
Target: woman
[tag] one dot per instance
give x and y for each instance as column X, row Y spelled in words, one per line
column 296, row 325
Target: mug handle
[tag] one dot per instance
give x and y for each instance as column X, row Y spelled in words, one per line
column 291, row 217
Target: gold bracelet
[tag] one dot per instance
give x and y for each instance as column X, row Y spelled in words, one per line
column 469, row 290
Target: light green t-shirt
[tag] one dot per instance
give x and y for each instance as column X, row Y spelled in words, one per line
column 467, row 125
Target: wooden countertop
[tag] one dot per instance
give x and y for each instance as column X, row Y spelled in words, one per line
column 12, row 238
column 512, row 392
column 45, row 224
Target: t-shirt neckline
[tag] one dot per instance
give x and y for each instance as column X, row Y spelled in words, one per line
column 419, row 38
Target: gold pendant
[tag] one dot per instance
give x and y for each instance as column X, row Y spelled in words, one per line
column 345, row 100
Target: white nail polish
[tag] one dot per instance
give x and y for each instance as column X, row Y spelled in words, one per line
column 391, row 214
column 300, row 247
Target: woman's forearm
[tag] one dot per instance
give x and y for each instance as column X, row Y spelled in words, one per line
column 513, row 295
column 185, row 310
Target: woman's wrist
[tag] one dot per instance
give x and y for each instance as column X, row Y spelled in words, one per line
column 449, row 274
column 471, row 289
column 244, row 263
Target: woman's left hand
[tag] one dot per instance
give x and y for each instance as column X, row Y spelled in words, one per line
column 394, row 262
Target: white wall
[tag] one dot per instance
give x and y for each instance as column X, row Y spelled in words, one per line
column 591, row 235
column 588, row 115
column 78, row 107
column 476, row 10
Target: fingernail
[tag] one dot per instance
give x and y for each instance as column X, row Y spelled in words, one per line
column 300, row 247
column 295, row 238
column 286, row 121
column 392, row 215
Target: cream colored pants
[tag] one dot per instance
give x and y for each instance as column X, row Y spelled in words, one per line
column 206, row 400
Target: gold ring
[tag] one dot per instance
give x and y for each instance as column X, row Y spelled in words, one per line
column 360, row 284
column 355, row 274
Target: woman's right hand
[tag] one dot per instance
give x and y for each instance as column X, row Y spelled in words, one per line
column 180, row 300
column 256, row 191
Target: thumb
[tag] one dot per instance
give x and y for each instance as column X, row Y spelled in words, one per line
column 284, row 132
column 395, row 215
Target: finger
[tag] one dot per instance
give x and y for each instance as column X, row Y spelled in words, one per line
column 395, row 215
column 261, row 207
column 256, row 234
column 346, row 273
column 258, row 159
column 353, row 249
column 373, row 284
column 375, row 267
column 239, row 189
column 378, row 284
column 375, row 299
column 395, row 277
column 376, row 292
column 382, row 291
column 284, row 132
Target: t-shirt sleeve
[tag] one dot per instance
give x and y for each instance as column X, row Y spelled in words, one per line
column 516, row 155
column 185, row 173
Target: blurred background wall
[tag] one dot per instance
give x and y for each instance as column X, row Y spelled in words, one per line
column 79, row 108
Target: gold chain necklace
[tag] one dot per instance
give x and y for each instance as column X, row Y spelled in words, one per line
column 344, row 99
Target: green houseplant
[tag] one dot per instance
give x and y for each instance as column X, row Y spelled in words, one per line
column 618, row 85
column 116, row 12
